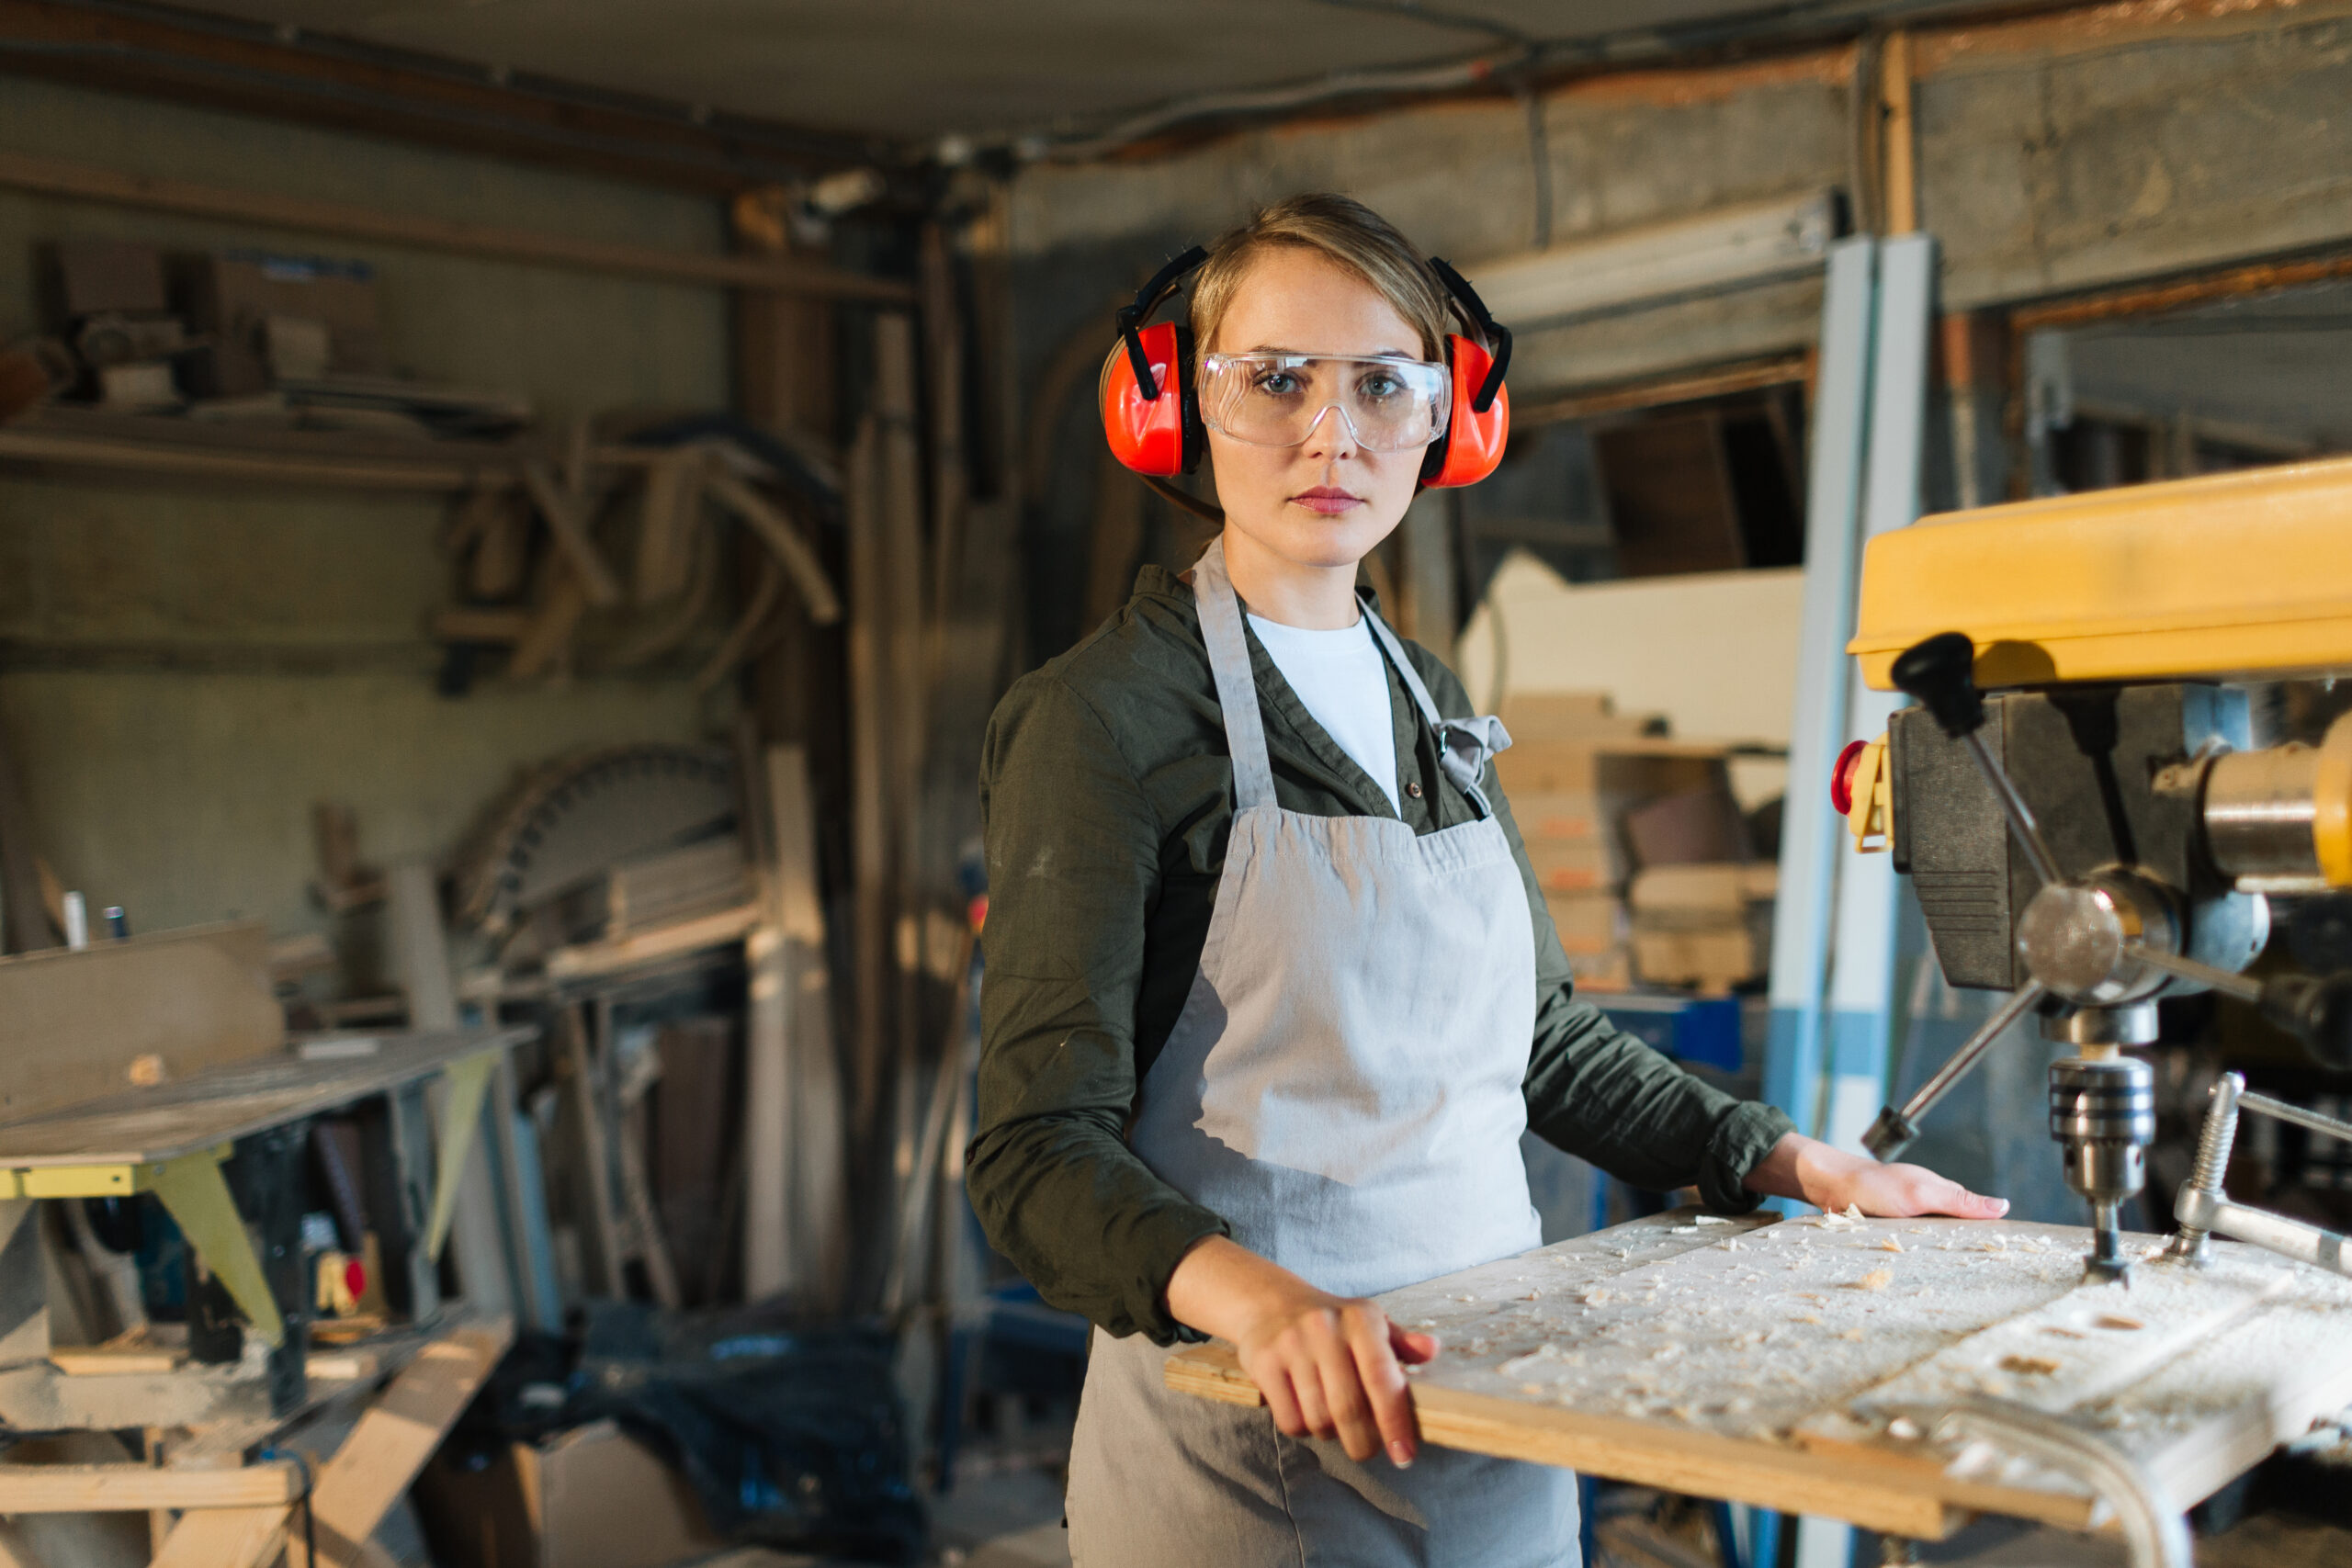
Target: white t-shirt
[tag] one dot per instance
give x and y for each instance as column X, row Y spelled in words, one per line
column 1343, row 678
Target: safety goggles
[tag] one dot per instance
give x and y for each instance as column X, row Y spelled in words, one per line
column 1391, row 403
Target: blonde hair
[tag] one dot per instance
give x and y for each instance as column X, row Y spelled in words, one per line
column 1347, row 232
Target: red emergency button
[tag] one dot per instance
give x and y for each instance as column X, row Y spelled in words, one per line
column 1841, row 777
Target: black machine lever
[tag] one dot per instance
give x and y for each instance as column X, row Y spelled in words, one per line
column 1940, row 672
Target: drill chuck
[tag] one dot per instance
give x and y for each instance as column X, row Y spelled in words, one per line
column 2103, row 1113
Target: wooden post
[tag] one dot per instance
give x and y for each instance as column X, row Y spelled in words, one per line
column 903, row 585
column 1895, row 125
column 869, row 777
column 795, row 1216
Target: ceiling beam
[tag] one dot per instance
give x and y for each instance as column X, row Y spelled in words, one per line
column 782, row 275
column 161, row 52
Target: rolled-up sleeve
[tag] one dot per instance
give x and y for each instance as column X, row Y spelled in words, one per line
column 1073, row 857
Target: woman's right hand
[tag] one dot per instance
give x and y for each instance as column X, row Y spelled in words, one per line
column 1327, row 1365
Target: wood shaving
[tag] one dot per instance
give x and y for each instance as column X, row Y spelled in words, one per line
column 1888, row 1244
column 1853, row 1334
column 2041, row 1365
column 1876, row 1280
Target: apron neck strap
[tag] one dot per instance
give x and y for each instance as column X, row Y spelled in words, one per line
column 1395, row 651
column 1236, row 686
column 1464, row 744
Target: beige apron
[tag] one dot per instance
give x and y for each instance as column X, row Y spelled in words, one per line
column 1343, row 1088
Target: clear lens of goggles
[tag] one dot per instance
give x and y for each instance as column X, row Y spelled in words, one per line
column 1274, row 400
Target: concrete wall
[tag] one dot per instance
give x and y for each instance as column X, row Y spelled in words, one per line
column 185, row 669
column 2092, row 146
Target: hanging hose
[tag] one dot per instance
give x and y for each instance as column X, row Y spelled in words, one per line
column 2153, row 1528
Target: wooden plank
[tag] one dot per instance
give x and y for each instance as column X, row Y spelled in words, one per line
column 1701, row 1465
column 224, row 1537
column 128, row 1488
column 780, row 273
column 744, row 634
column 793, row 1205
column 589, row 960
column 784, row 541
column 652, row 1243
column 870, row 775
column 357, row 1488
column 672, row 505
column 130, row 1353
column 256, row 69
column 951, row 483
column 75, row 1025
column 901, row 933
column 547, row 640
column 561, row 506
column 600, row 1226
column 1662, row 391
column 430, row 472
column 147, row 1126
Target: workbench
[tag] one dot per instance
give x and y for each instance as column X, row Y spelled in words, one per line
column 1813, row 1366
column 170, row 1139
column 205, row 1424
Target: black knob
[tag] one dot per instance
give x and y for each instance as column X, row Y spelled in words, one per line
column 1941, row 674
column 2316, row 1009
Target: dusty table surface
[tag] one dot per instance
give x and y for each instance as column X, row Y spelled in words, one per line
column 1805, row 1365
column 140, row 1126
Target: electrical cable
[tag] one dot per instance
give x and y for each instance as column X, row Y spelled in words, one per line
column 1539, row 158
column 1414, row 11
column 2152, row 1526
column 1781, row 23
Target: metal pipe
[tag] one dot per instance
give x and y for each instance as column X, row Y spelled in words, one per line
column 2280, row 1111
column 1894, row 1130
column 2221, row 980
column 2274, row 1232
column 2258, row 809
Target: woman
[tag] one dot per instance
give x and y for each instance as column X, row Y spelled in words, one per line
column 1271, row 996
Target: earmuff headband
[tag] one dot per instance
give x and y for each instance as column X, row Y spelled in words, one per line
column 1496, row 334
column 1131, row 318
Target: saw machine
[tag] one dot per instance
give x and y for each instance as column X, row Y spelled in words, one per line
column 2078, row 799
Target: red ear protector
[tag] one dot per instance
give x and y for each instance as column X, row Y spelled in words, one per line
column 1151, row 411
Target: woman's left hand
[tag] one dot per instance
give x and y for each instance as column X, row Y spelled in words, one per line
column 1809, row 1169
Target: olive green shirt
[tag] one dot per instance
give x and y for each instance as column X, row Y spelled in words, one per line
column 1107, row 792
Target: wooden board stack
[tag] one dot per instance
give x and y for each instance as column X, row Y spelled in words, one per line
column 1708, row 925
column 1574, row 769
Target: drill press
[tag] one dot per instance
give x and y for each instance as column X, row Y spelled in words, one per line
column 2076, row 797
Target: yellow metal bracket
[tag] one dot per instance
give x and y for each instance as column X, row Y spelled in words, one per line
column 1870, row 817
column 467, row 1082
column 197, row 1195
